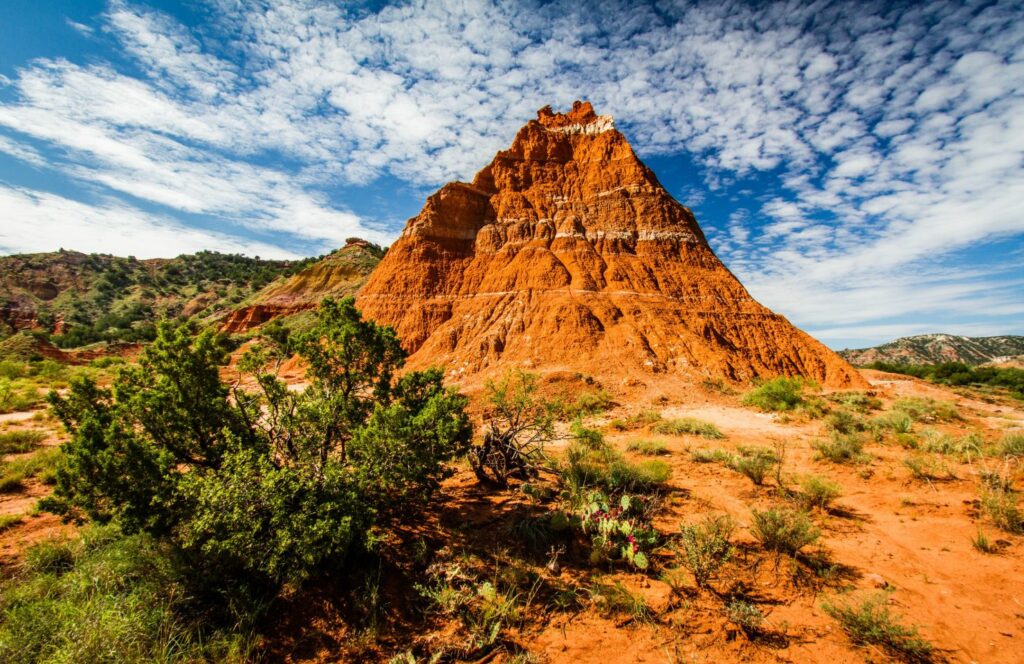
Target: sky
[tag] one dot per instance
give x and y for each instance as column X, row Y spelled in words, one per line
column 858, row 165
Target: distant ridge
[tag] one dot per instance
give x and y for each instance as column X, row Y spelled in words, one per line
column 937, row 348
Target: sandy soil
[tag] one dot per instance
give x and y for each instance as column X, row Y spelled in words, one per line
column 888, row 530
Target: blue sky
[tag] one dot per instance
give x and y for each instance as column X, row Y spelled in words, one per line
column 860, row 166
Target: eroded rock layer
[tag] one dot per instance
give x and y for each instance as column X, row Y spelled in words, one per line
column 338, row 275
column 567, row 253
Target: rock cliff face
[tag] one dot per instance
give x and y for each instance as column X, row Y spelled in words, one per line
column 338, row 275
column 567, row 253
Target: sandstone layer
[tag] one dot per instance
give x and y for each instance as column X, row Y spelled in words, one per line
column 567, row 253
column 338, row 275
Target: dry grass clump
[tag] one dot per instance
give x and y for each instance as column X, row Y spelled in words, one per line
column 871, row 623
column 842, row 448
column 648, row 447
column 687, row 425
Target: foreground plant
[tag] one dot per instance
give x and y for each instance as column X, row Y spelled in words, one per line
column 784, row 530
column 261, row 483
column 871, row 623
column 618, row 531
column 707, row 546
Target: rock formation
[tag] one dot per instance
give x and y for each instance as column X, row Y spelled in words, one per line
column 566, row 253
column 338, row 275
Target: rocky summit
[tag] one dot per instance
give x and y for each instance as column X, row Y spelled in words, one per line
column 566, row 253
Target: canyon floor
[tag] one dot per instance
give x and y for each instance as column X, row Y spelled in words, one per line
column 902, row 533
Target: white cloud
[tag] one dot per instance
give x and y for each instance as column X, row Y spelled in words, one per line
column 34, row 221
column 898, row 133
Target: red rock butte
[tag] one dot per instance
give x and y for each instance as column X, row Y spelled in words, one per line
column 566, row 253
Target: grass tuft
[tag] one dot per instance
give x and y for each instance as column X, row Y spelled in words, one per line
column 871, row 623
column 687, row 425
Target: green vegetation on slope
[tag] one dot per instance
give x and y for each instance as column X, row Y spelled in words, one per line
column 97, row 297
column 960, row 375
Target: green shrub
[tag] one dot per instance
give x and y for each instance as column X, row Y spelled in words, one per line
column 648, row 447
column 642, row 477
column 845, row 422
column 777, row 394
column 687, row 425
column 857, row 401
column 11, row 481
column 591, row 402
column 592, row 463
column 745, row 615
column 23, row 440
column 755, row 466
column 897, row 421
column 716, row 455
column 842, row 448
column 8, row 521
column 871, row 623
column 784, row 530
column 707, row 546
column 1003, row 508
column 641, row 419
column 816, row 491
column 929, row 468
column 923, row 409
column 982, row 543
column 1012, row 444
column 12, row 370
column 967, row 447
column 116, row 599
column 267, row 486
column 615, row 599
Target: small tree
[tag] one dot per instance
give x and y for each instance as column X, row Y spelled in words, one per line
column 255, row 479
column 519, row 424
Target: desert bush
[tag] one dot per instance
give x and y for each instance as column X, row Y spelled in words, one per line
column 706, row 547
column 1004, row 510
column 745, row 615
column 716, row 455
column 591, row 463
column 897, row 421
column 924, row 409
column 8, row 521
column 42, row 465
column 817, row 491
column 270, row 485
column 842, row 448
column 777, row 394
column 615, row 599
column 845, row 422
column 857, row 401
column 928, row 467
column 23, row 440
column 110, row 598
column 1012, row 444
column 11, row 481
column 755, row 465
column 590, row 402
column 687, row 425
column 784, row 530
column 871, row 623
column 967, row 447
column 648, row 447
column 519, row 425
